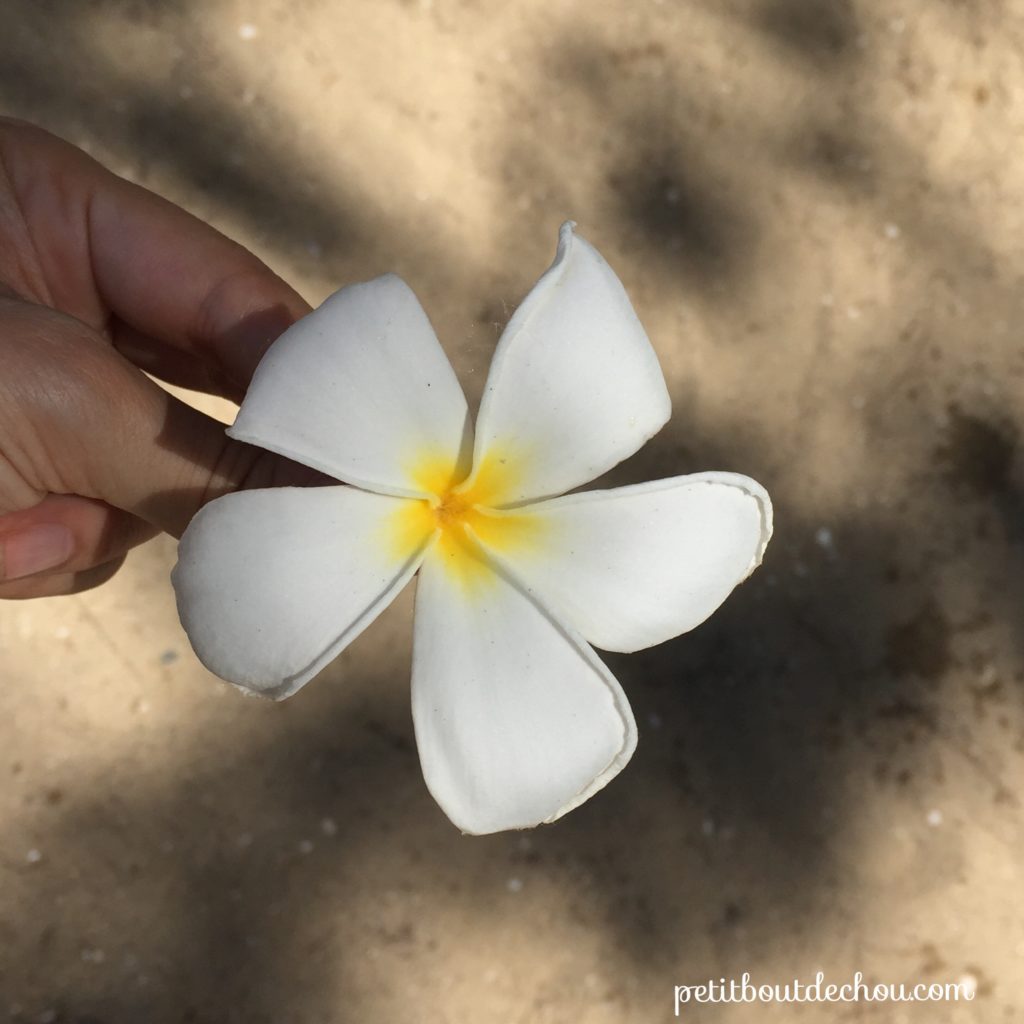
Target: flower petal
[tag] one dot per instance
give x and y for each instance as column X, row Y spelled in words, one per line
column 273, row 584
column 575, row 386
column 635, row 566
column 517, row 719
column 361, row 390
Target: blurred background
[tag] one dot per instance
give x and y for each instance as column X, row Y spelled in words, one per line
column 816, row 207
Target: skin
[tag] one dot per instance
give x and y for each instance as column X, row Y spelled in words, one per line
column 100, row 279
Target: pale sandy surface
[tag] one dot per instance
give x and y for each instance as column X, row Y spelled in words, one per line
column 817, row 208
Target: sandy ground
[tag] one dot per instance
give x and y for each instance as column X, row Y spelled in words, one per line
column 817, row 209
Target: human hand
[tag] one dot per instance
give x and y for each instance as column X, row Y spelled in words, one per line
column 100, row 280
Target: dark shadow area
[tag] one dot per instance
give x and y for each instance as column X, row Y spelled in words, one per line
column 667, row 193
column 220, row 892
column 679, row 214
column 833, row 675
column 822, row 32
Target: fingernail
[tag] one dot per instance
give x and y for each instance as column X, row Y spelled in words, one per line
column 35, row 549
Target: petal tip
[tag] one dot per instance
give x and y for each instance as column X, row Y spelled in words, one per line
column 566, row 234
column 764, row 504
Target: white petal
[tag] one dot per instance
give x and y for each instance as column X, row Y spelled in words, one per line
column 635, row 566
column 273, row 584
column 361, row 390
column 517, row 720
column 575, row 386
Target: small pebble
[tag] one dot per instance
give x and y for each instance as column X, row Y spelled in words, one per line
column 968, row 984
column 248, row 32
column 934, row 817
column 306, row 846
column 33, row 856
column 892, row 231
column 824, row 539
column 329, row 827
column 514, row 885
column 988, row 676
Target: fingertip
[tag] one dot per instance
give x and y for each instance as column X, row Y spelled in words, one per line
column 240, row 322
column 35, row 548
column 64, row 535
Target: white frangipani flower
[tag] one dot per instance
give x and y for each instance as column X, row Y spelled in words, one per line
column 517, row 720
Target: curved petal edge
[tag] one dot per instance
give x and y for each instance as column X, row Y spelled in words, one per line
column 635, row 566
column 517, row 719
column 360, row 389
column 271, row 585
column 574, row 387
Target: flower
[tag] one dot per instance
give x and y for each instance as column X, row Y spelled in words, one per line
column 517, row 720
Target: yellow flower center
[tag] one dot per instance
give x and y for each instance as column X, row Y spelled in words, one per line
column 463, row 518
column 452, row 509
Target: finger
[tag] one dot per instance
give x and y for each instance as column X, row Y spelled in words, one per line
column 173, row 365
column 112, row 251
column 85, row 421
column 65, row 534
column 60, row 584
